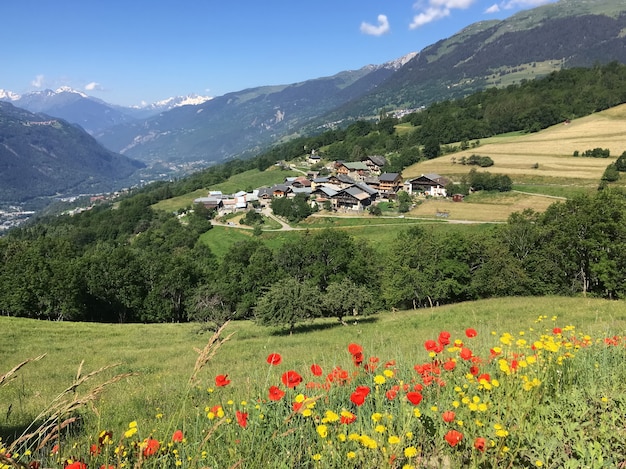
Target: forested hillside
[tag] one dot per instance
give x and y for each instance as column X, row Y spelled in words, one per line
column 129, row 262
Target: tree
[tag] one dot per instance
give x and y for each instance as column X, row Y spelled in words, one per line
column 346, row 298
column 287, row 303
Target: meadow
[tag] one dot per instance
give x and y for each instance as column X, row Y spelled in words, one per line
column 515, row 382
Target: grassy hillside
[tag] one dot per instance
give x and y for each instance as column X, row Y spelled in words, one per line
column 161, row 359
column 163, row 354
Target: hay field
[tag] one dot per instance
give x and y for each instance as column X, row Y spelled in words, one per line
column 495, row 208
column 551, row 149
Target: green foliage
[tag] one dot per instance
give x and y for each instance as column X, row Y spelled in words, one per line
column 611, row 173
column 484, row 181
column 595, row 153
column 293, row 209
column 288, row 303
column 477, row 160
column 251, row 218
column 620, row 163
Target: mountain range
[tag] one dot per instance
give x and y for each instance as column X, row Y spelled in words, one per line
column 41, row 156
column 194, row 132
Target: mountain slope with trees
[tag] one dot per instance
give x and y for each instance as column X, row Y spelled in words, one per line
column 43, row 156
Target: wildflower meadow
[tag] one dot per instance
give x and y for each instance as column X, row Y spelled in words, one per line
column 545, row 395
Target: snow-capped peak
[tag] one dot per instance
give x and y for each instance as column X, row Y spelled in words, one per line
column 9, row 95
column 170, row 103
column 67, row 89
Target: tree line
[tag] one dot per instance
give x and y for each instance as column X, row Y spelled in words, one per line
column 148, row 267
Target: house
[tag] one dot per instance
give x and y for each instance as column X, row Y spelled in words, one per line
column 280, row 190
column 212, row 203
column 356, row 197
column 300, row 182
column 356, row 169
column 342, row 180
column 264, row 193
column 389, row 183
column 314, row 158
column 428, row 184
column 375, row 163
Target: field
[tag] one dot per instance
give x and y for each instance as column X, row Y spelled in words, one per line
column 156, row 399
column 551, row 149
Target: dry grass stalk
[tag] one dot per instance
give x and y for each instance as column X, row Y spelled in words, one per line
column 9, row 375
column 64, row 404
column 208, row 352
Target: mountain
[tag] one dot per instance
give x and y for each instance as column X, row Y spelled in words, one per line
column 92, row 114
column 43, row 156
column 532, row 43
column 243, row 121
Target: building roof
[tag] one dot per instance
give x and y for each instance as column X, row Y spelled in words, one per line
column 377, row 160
column 356, row 166
column 389, row 177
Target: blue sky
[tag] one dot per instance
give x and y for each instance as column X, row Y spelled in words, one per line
column 129, row 51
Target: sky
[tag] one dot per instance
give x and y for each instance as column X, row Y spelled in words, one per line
column 131, row 51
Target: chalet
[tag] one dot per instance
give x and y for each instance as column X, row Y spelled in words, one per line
column 342, row 180
column 264, row 193
column 355, row 197
column 314, row 158
column 212, row 203
column 280, row 190
column 300, row 182
column 375, row 163
column 428, row 184
column 356, row 169
column 299, row 190
column 389, row 183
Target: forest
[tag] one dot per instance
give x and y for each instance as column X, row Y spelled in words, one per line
column 129, row 263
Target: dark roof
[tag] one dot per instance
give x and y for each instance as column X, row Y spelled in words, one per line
column 388, row 177
column 377, row 160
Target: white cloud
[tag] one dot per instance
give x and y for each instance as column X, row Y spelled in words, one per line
column 93, row 86
column 493, row 9
column 38, row 81
column 376, row 30
column 436, row 10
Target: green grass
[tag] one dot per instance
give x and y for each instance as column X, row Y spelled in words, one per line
column 253, row 179
column 161, row 358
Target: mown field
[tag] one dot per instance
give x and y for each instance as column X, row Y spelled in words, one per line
column 157, row 398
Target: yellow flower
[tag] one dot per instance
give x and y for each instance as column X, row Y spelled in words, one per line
column 351, row 455
column 377, row 416
column 331, row 416
column 388, row 373
column 354, row 437
column 379, row 379
column 434, row 408
column 322, row 431
column 317, row 457
column 380, row 429
column 393, row 440
column 409, row 435
column 410, row 451
column 341, row 437
column 416, row 412
column 538, row 463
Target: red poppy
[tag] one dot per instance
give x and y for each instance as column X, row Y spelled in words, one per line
column 359, row 395
column 291, row 379
column 107, row 467
column 471, row 332
column 177, row 437
column 430, row 345
column 357, row 358
column 557, row 330
column 414, row 397
column 444, row 338
column 242, row 418
column 276, row 394
column 347, row 418
column 448, row 416
column 449, row 365
column 221, row 380
column 94, row 449
column 152, row 446
column 390, row 363
column 484, row 376
column 480, row 443
column 453, row 437
column 55, row 449
column 465, row 353
column 354, row 349
column 316, row 370
column 274, row 359
column 76, row 465
column 391, row 394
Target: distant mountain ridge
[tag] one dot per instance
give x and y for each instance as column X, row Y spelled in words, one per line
column 41, row 156
column 92, row 114
column 532, row 43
